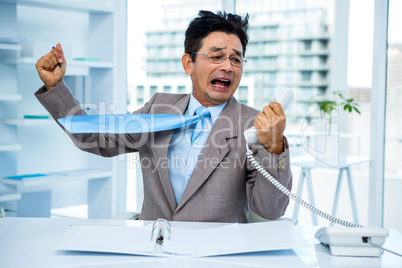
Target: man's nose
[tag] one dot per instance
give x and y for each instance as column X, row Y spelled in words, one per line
column 226, row 65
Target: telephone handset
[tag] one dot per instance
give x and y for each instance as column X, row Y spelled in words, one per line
column 357, row 241
column 284, row 96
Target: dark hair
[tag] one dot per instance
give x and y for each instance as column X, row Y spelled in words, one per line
column 208, row 22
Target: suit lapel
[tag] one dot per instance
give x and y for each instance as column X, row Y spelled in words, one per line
column 216, row 148
column 161, row 146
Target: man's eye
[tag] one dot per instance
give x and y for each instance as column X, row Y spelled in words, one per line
column 236, row 60
column 216, row 58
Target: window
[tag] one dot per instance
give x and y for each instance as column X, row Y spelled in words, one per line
column 290, row 76
column 323, row 44
column 306, row 61
column 270, row 62
column 270, row 48
column 140, row 95
column 289, row 61
column 258, row 33
column 270, row 77
column 323, row 60
column 140, row 91
column 307, row 45
column 267, row 94
column 242, row 92
column 181, row 89
column 393, row 136
column 322, row 75
column 258, row 62
column 309, row 29
column 306, row 76
column 153, row 90
column 271, row 32
column 288, row 30
column 306, row 91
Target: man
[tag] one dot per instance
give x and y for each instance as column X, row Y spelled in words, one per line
column 208, row 179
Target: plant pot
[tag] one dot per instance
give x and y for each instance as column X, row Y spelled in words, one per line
column 323, row 144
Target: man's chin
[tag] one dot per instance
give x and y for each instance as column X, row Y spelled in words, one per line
column 222, row 97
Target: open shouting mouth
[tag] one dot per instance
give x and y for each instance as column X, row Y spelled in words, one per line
column 221, row 82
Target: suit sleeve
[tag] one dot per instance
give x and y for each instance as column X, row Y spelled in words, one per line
column 59, row 102
column 264, row 198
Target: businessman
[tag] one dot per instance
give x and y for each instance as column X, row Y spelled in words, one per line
column 208, row 179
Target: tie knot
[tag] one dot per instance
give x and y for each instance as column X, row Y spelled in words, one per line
column 202, row 111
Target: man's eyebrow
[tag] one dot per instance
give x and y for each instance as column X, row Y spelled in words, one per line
column 216, row 49
column 238, row 53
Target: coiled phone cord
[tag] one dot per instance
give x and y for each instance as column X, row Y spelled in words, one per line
column 294, row 197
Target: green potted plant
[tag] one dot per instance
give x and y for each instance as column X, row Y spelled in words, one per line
column 328, row 106
column 323, row 146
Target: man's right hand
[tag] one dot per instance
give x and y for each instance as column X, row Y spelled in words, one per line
column 48, row 67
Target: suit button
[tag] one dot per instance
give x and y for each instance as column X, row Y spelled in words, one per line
column 281, row 163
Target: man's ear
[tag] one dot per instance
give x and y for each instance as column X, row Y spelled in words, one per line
column 186, row 61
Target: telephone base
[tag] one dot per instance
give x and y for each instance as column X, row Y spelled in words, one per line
column 355, row 251
column 353, row 241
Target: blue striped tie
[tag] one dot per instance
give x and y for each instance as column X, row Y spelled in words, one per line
column 128, row 123
column 205, row 114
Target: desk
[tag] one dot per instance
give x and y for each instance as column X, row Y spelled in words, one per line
column 307, row 163
column 27, row 242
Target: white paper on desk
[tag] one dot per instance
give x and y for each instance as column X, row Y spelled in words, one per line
column 228, row 239
column 274, row 235
column 108, row 238
column 206, row 242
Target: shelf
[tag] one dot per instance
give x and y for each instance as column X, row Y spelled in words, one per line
column 27, row 122
column 73, row 63
column 58, row 177
column 10, row 147
column 7, row 196
column 91, row 64
column 93, row 28
column 4, row 46
column 91, row 6
column 9, row 51
column 10, row 97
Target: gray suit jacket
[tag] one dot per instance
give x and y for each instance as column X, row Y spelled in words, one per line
column 223, row 186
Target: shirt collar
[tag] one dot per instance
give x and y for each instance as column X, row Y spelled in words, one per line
column 214, row 110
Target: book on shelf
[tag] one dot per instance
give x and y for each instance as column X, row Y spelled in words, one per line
column 34, row 176
column 36, row 116
column 26, row 177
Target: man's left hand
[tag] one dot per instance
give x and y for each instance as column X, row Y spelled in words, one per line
column 270, row 125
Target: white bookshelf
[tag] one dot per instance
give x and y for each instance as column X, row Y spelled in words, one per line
column 87, row 29
column 87, row 6
column 73, row 63
column 4, row 47
column 9, row 196
column 45, row 182
column 28, row 122
column 10, row 97
column 10, row 147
